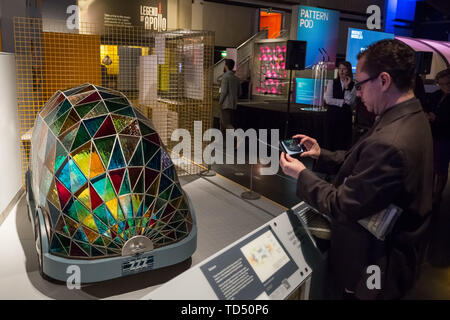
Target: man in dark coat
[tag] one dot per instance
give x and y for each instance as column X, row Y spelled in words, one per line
column 391, row 165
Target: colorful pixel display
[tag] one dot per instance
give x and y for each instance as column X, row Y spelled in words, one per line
column 101, row 175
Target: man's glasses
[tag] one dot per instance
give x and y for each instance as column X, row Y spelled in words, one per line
column 358, row 84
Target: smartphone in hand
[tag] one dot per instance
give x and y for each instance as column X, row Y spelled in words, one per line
column 292, row 147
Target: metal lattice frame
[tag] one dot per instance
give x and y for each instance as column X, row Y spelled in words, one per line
column 167, row 76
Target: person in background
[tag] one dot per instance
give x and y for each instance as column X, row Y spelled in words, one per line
column 230, row 90
column 339, row 96
column 439, row 118
column 419, row 89
column 389, row 167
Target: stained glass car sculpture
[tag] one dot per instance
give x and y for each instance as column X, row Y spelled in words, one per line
column 103, row 193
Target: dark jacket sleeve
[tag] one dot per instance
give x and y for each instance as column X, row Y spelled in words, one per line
column 329, row 162
column 375, row 182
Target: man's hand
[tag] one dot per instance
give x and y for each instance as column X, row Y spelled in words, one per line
column 311, row 145
column 290, row 166
column 347, row 81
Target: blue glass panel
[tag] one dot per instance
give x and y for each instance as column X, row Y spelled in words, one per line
column 64, row 175
column 77, row 178
column 117, row 160
column 155, row 163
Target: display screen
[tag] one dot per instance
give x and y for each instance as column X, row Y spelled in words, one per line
column 319, row 28
column 304, row 91
column 358, row 40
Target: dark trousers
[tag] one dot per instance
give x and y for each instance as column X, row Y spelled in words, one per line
column 338, row 128
column 226, row 119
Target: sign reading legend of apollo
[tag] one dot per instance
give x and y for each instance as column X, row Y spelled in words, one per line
column 319, row 27
column 153, row 19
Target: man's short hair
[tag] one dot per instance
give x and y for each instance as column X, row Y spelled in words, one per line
column 391, row 56
column 442, row 74
column 229, row 63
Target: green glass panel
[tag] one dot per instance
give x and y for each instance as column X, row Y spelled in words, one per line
column 104, row 147
column 111, row 220
column 145, row 129
column 101, row 227
column 117, row 160
column 99, row 184
column 61, row 155
column 56, row 246
column 84, row 109
column 128, row 145
column 99, row 110
column 80, row 235
column 128, row 111
column 149, row 150
column 125, row 189
column 93, row 124
column 90, row 223
column 81, row 138
column 71, row 120
column 109, row 192
column 125, row 203
column 77, row 178
column 166, row 194
column 56, row 126
column 113, row 106
column 82, row 212
column 68, row 136
column 137, row 159
column 65, row 242
column 86, row 247
column 120, row 216
column 64, row 175
column 96, row 252
column 121, row 100
column 120, row 122
column 101, row 213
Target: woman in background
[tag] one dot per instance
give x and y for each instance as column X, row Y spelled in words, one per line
column 339, row 96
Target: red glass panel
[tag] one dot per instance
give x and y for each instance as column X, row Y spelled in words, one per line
column 106, row 129
column 93, row 97
column 95, row 198
column 134, row 175
column 150, row 176
column 116, row 178
column 63, row 193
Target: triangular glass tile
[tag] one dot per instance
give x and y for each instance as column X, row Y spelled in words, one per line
column 50, row 161
column 78, row 97
column 146, row 130
column 81, row 138
column 82, row 157
column 67, row 137
column 128, row 145
column 125, row 189
column 96, row 253
column 56, row 246
column 90, row 223
column 176, row 192
column 137, row 160
column 52, row 195
column 101, row 213
column 72, row 225
column 88, row 88
column 106, row 129
column 164, row 183
column 116, row 178
column 134, row 175
column 94, row 124
column 93, row 97
column 132, row 129
column 83, row 196
column 65, row 242
column 64, row 175
column 80, row 235
column 96, row 167
column 51, row 116
column 106, row 95
column 113, row 106
column 76, row 251
column 71, row 210
column 112, row 206
column 95, row 198
column 120, row 122
column 166, row 194
column 52, row 104
column 85, row 246
column 98, row 241
column 165, row 160
column 109, row 192
column 139, row 188
column 58, row 123
column 104, row 147
column 54, row 214
column 127, row 111
column 148, row 202
column 84, row 109
column 150, row 177
column 137, row 200
column 77, row 179
column 65, row 106
column 170, row 172
column 155, row 162
column 149, row 150
column 71, row 120
column 99, row 184
column 111, row 220
column 125, row 203
column 82, row 211
column 117, row 160
column 121, row 100
column 101, row 227
column 99, row 110
column 153, row 138
column 61, row 155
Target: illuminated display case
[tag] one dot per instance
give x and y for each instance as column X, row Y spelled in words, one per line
column 269, row 75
